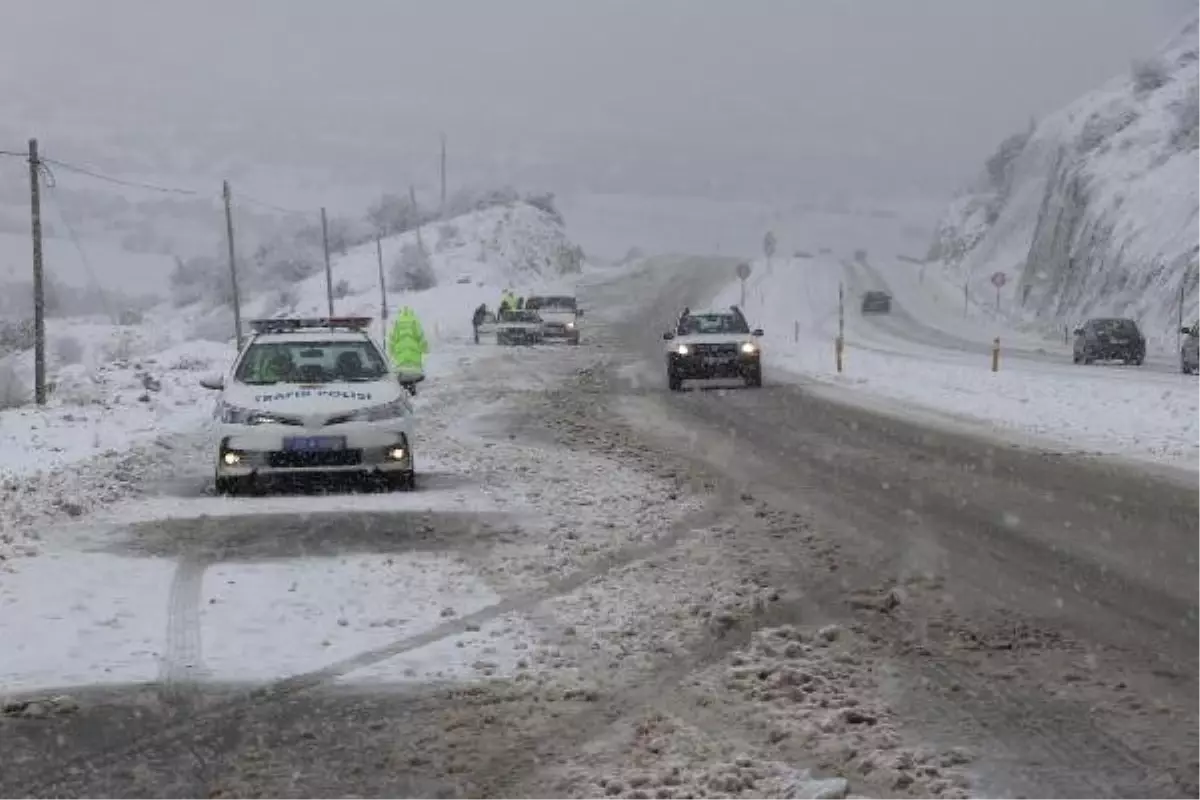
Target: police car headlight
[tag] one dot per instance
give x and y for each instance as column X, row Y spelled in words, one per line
column 570, row 326
column 682, row 350
column 392, row 410
column 235, row 415
column 749, row 347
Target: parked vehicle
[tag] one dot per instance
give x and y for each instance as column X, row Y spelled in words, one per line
column 1189, row 351
column 1109, row 339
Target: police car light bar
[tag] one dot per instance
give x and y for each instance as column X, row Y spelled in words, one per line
column 284, row 325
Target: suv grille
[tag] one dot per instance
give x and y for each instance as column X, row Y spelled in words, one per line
column 286, row 459
column 716, row 349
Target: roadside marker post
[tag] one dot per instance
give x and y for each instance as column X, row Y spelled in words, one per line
column 996, row 354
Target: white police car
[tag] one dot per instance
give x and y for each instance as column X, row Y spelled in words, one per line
column 311, row 397
column 713, row 344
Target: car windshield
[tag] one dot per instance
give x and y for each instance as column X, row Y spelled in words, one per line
column 551, row 303
column 1120, row 327
column 519, row 316
column 715, row 323
column 311, row 362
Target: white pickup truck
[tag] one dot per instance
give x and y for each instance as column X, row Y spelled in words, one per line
column 560, row 316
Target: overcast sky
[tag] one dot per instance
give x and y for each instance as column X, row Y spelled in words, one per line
column 634, row 95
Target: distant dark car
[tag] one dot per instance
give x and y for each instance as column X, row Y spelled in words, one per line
column 1189, row 352
column 1109, row 339
column 876, row 302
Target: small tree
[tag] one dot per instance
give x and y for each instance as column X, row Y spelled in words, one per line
column 412, row 270
column 392, row 214
column 769, row 245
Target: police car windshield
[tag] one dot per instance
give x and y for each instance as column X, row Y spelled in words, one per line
column 315, row 362
column 716, row 323
column 519, row 316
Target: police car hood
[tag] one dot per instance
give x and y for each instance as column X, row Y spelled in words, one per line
column 712, row 338
column 303, row 399
column 518, row 324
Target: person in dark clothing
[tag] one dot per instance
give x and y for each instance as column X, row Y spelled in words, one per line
column 681, row 325
column 477, row 319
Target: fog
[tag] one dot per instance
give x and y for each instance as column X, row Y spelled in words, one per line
column 753, row 98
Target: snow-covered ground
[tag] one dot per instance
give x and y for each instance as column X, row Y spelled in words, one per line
column 1037, row 391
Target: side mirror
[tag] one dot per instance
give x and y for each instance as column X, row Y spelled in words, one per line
column 579, row 312
column 758, row 331
column 668, row 336
column 1079, row 331
column 214, row 382
column 1185, row 331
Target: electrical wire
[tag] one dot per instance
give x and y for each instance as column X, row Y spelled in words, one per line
column 91, row 173
column 242, row 196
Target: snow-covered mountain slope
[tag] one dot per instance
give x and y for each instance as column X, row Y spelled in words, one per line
column 1093, row 210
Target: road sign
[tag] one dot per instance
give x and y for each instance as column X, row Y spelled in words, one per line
column 743, row 271
column 999, row 279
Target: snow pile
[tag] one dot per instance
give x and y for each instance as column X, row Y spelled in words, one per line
column 1093, row 211
column 111, row 426
column 816, row 688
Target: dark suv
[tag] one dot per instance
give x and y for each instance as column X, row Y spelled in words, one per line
column 1109, row 339
column 876, row 302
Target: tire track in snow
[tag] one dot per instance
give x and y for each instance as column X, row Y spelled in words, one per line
column 71, row 776
column 182, row 661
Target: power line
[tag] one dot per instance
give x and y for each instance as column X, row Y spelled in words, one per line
column 242, row 196
column 120, row 181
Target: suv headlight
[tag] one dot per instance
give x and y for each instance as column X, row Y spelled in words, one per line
column 397, row 408
column 682, row 349
column 235, row 415
column 749, row 347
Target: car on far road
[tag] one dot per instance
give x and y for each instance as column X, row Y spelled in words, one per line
column 518, row 326
column 1109, row 339
column 876, row 302
column 713, row 344
column 1189, row 351
column 311, row 398
column 560, row 316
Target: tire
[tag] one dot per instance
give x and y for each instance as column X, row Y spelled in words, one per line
column 674, row 383
column 1075, row 359
column 1087, row 358
column 402, row 482
column 229, row 487
column 1137, row 362
column 754, row 379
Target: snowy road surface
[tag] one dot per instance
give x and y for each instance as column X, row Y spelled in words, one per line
column 608, row 589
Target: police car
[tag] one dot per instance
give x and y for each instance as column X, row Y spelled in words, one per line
column 713, row 344
column 311, row 397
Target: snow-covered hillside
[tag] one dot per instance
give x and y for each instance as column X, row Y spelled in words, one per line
column 1093, row 210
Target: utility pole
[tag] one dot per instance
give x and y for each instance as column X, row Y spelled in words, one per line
column 383, row 309
column 237, row 305
column 965, row 299
column 442, row 208
column 412, row 198
column 840, row 345
column 328, row 269
column 39, row 289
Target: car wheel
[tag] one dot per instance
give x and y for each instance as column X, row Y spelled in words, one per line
column 1075, row 358
column 229, row 487
column 754, row 378
column 1087, row 358
column 674, row 383
column 1137, row 361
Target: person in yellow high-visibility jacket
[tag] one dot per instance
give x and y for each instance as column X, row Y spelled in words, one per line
column 407, row 347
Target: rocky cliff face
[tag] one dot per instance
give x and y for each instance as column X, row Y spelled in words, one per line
column 1093, row 210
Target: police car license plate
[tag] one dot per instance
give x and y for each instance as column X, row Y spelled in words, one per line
column 314, row 443
column 715, row 360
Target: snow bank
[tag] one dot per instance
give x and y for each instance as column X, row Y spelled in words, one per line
column 1094, row 210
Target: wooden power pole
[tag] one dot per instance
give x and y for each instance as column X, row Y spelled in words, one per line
column 383, row 309
column 39, row 289
column 412, row 198
column 233, row 277
column 328, row 269
column 442, row 208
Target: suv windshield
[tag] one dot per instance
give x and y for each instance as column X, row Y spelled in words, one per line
column 311, row 362
column 556, row 302
column 1126, row 327
column 518, row 316
column 715, row 323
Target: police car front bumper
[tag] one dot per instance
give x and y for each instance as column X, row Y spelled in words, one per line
column 362, row 448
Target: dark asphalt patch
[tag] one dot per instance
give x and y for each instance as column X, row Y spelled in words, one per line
column 264, row 537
